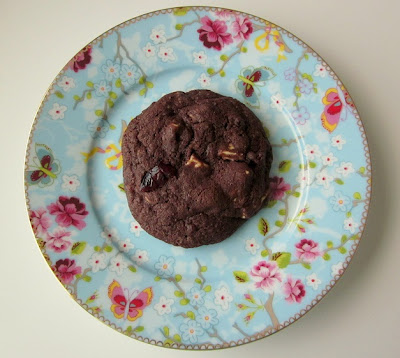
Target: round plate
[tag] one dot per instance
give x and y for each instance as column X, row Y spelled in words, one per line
column 280, row 263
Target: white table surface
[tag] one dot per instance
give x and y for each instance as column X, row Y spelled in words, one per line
column 359, row 318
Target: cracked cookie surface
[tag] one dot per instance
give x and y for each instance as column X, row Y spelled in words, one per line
column 196, row 167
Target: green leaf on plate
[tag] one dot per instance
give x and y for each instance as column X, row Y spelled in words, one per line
column 282, row 212
column 203, row 268
column 184, row 301
column 178, row 27
column 210, row 71
column 87, row 278
column 89, row 84
column 157, row 278
column 166, row 331
column 177, row 337
column 263, row 226
column 329, row 244
column 312, row 164
column 132, row 268
column 191, row 315
column 326, row 256
column 108, row 248
column 223, row 57
column 59, row 94
column 112, row 94
column 178, row 293
column 339, row 181
column 78, row 248
column 207, row 288
column 142, row 92
column 282, row 258
column 342, row 250
column 306, row 266
column 98, row 112
column 241, row 276
column 271, row 203
column 89, row 95
column 181, row 11
column 118, row 83
column 357, row 196
column 284, row 166
column 344, row 239
column 197, row 280
column 139, row 329
column 278, row 223
column 264, row 253
column 178, row 278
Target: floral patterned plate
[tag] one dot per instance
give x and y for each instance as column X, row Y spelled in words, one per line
column 279, row 264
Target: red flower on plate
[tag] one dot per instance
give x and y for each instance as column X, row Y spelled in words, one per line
column 82, row 59
column 66, row 269
column 69, row 211
column 214, row 34
column 278, row 187
column 242, row 28
column 294, row 290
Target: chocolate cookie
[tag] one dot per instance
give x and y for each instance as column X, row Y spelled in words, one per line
column 196, row 166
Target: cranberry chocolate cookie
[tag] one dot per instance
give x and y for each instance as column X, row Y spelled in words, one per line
column 196, row 167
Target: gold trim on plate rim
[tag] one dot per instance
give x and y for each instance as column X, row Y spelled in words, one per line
column 368, row 174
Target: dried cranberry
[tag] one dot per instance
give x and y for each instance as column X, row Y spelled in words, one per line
column 156, row 177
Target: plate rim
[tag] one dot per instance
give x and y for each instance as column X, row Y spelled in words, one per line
column 364, row 216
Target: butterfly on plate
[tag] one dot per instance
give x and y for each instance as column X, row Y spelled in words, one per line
column 128, row 305
column 45, row 167
column 249, row 81
column 336, row 103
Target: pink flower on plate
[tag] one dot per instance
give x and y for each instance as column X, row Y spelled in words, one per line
column 66, row 269
column 82, row 59
column 307, row 250
column 266, row 274
column 278, row 187
column 214, row 34
column 69, row 211
column 39, row 221
column 56, row 240
column 242, row 28
column 294, row 290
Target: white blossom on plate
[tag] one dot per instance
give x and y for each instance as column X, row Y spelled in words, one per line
column 163, row 306
column 118, row 264
column 313, row 281
column 252, row 246
column 140, row 257
column 66, row 83
column 324, row 179
column 223, row 297
column 70, row 183
column 200, row 57
column 97, row 262
column 345, row 168
column 57, row 111
column 125, row 245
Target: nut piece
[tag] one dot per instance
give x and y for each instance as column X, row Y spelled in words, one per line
column 230, row 155
column 195, row 162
